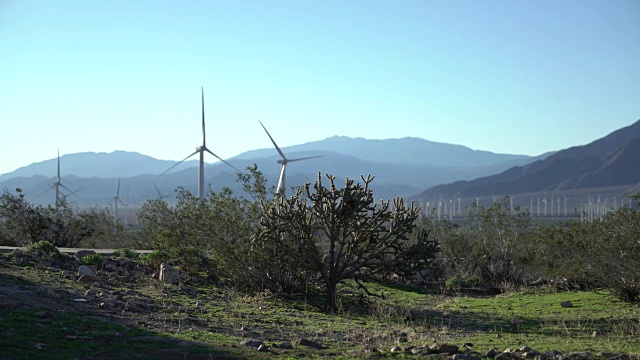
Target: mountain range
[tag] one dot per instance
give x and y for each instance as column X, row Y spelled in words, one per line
column 421, row 170
column 402, row 167
column 610, row 162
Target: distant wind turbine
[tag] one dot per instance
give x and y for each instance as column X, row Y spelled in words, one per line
column 284, row 161
column 160, row 196
column 116, row 200
column 57, row 185
column 200, row 149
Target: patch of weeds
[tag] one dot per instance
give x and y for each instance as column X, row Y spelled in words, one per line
column 43, row 248
column 155, row 258
column 93, row 259
column 126, row 253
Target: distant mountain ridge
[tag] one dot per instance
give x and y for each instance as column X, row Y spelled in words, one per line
column 607, row 162
column 402, row 167
column 89, row 164
column 408, row 150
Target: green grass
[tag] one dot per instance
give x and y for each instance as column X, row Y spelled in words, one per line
column 212, row 321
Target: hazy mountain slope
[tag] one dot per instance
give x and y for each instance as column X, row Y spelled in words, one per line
column 609, row 161
column 405, row 150
column 89, row 164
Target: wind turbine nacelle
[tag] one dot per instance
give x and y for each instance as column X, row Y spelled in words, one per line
column 281, row 162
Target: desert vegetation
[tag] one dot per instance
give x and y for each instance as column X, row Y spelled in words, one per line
column 355, row 276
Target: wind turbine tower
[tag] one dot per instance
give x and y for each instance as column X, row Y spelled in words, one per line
column 200, row 149
column 116, row 200
column 284, row 161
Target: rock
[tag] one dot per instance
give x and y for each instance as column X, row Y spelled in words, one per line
column 263, row 348
column 582, row 355
column 17, row 252
column 531, row 353
column 566, row 304
column 80, row 300
column 89, row 279
column 251, row 342
column 189, row 289
column 491, row 353
column 465, row 357
column 84, row 270
column 507, row 355
column 618, row 357
column 396, row 349
column 418, row 350
column 285, row 345
column 168, row 274
column 43, row 266
column 308, row 343
column 110, row 267
column 82, row 253
column 43, row 315
column 444, row 348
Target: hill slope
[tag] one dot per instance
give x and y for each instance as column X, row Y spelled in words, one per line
column 606, row 162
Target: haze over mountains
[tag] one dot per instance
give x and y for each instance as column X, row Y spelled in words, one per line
column 401, row 166
column 408, row 167
column 606, row 163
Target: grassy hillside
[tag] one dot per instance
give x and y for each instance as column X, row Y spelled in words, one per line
column 45, row 312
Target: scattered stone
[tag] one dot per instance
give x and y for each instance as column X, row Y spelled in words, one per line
column 583, row 355
column 80, row 300
column 84, row 270
column 263, row 348
column 418, row 350
column 89, row 279
column 508, row 355
column 491, row 353
column 189, row 289
column 43, row 266
column 168, row 274
column 40, row 346
column 396, row 349
column 308, row 343
column 251, row 342
column 43, row 315
column 525, row 348
column 465, row 357
column 566, row 304
column 82, row 253
column 17, row 252
column 444, row 348
column 618, row 357
column 285, row 345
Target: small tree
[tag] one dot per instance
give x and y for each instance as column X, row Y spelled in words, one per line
column 343, row 234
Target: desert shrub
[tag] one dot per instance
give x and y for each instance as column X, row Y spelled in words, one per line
column 155, row 258
column 44, row 248
column 221, row 227
column 93, row 259
column 604, row 252
column 127, row 253
column 337, row 234
column 62, row 225
column 496, row 247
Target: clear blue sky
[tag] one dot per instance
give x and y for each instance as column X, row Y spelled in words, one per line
column 506, row 76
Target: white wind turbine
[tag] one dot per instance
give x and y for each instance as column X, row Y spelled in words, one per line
column 116, row 200
column 284, row 161
column 160, row 196
column 57, row 185
column 200, row 149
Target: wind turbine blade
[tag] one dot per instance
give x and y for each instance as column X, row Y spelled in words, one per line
column 44, row 192
column 204, row 139
column 306, row 158
column 58, row 165
column 64, row 187
column 178, row 163
column 219, row 158
column 157, row 190
column 118, row 191
column 273, row 141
